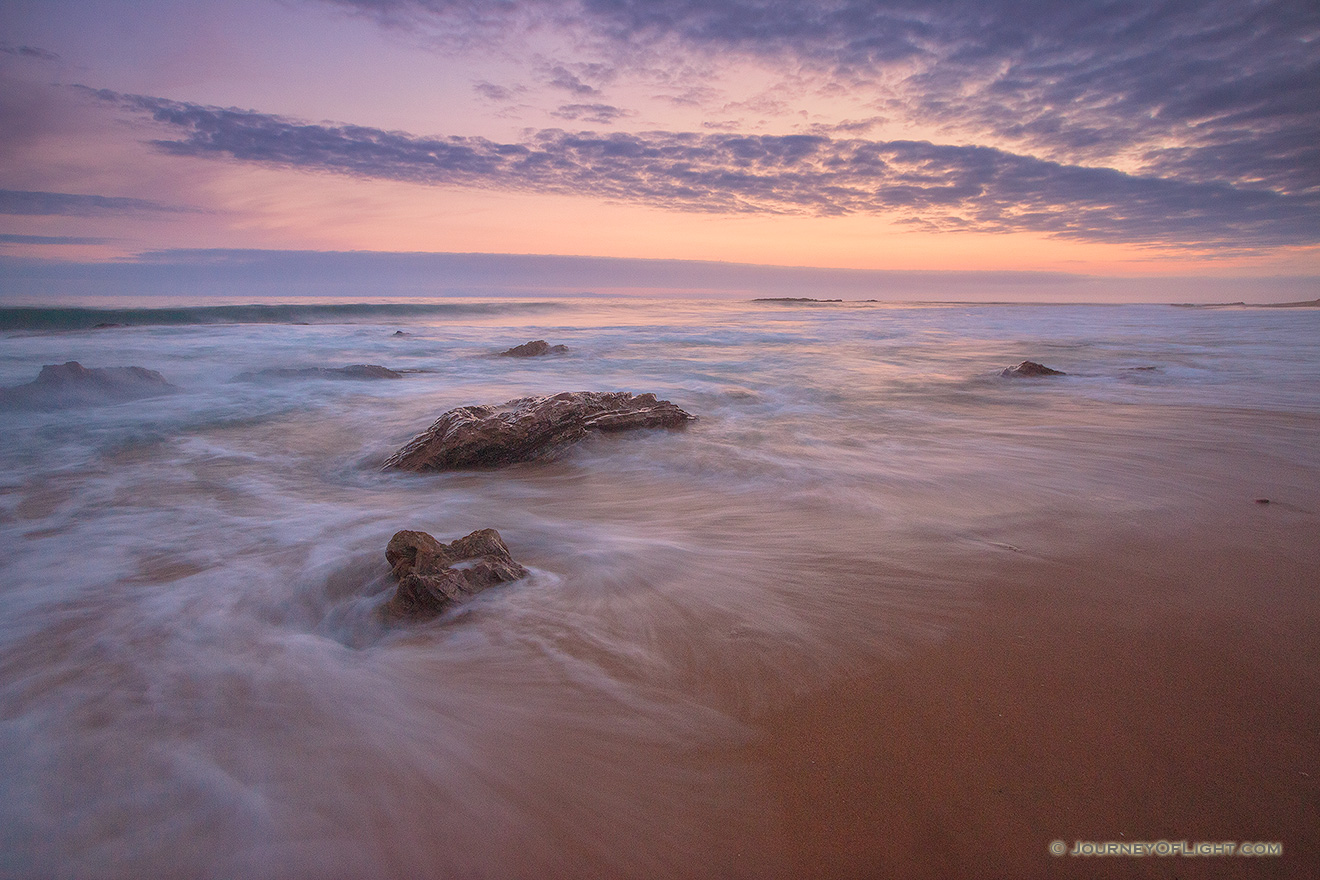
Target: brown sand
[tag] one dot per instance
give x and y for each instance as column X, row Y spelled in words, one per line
column 1135, row 693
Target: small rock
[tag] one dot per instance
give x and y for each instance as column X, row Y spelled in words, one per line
column 530, row 428
column 1030, row 369
column 1262, row 501
column 432, row 576
column 366, row 371
column 535, row 348
column 401, row 333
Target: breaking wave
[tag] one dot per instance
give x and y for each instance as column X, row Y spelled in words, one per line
column 80, row 318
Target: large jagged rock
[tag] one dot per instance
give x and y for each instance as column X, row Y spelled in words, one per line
column 1030, row 370
column 72, row 384
column 530, row 428
column 352, row 371
column 535, row 348
column 432, row 576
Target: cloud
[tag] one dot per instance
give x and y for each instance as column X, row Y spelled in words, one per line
column 562, row 78
column 938, row 186
column 12, row 238
column 601, row 114
column 1213, row 90
column 847, row 126
column 13, row 201
column 28, row 52
column 493, row 92
column 317, row 273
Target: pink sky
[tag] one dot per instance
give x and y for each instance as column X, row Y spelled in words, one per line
column 850, row 135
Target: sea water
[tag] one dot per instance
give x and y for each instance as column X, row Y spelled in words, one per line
column 194, row 679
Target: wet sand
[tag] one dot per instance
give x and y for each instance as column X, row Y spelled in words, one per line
column 1160, row 684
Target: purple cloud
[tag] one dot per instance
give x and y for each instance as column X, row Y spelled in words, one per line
column 12, row 238
column 937, row 186
column 29, row 52
column 493, row 92
column 601, row 114
column 13, row 201
column 562, row 78
column 1210, row 91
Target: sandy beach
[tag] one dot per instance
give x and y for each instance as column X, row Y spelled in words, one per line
column 1155, row 683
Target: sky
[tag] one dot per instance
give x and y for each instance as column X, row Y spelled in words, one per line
column 1001, row 139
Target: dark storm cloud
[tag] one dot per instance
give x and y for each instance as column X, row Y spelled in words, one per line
column 1209, row 90
column 13, row 201
column 931, row 185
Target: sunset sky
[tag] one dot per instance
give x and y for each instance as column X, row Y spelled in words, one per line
column 1056, row 139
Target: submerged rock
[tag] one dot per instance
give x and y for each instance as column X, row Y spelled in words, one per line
column 72, row 384
column 535, row 348
column 530, row 428
column 352, row 371
column 1030, row 369
column 432, row 576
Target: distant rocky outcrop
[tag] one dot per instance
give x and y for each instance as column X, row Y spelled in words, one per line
column 1030, row 370
column 72, row 384
column 1303, row 304
column 432, row 576
column 352, row 371
column 530, row 428
column 796, row 299
column 535, row 348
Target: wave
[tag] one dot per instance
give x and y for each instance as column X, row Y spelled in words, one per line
column 85, row 318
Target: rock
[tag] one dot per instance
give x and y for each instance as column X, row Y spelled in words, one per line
column 530, row 428
column 106, row 325
column 352, row 371
column 72, row 384
column 401, row 333
column 432, row 576
column 364, row 371
column 535, row 348
column 1030, row 369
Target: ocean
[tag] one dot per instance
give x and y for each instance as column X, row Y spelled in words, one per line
column 195, row 680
